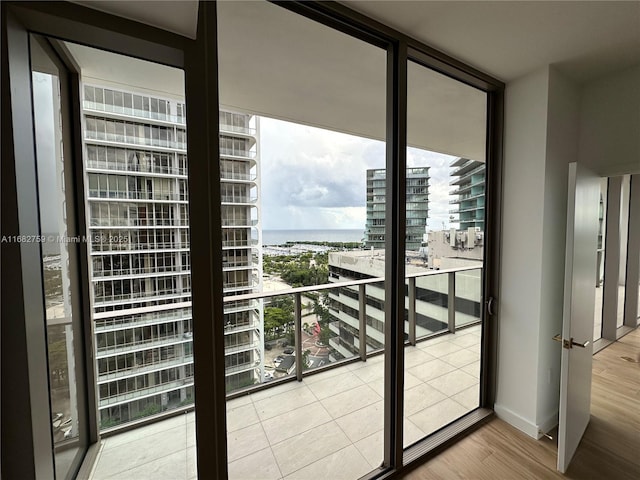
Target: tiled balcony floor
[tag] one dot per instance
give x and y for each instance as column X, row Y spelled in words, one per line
column 327, row 426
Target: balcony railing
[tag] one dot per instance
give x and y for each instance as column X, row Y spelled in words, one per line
column 237, row 129
column 363, row 337
column 150, row 367
column 411, row 301
column 147, row 344
column 132, row 112
column 145, row 392
column 133, row 167
column 237, row 153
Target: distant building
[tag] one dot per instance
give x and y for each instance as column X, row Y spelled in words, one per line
column 136, row 175
column 431, row 299
column 454, row 248
column 469, row 193
column 417, row 205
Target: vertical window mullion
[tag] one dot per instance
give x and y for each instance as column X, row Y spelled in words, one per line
column 396, row 142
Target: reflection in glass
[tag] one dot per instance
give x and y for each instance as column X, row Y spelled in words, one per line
column 602, row 216
column 314, row 150
column 446, row 132
column 56, row 268
column 624, row 239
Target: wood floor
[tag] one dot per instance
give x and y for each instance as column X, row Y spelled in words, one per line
column 610, row 448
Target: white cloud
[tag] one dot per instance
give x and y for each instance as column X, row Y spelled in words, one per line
column 316, row 179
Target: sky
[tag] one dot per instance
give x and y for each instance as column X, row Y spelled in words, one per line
column 316, row 179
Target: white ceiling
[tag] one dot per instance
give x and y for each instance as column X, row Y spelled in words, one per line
column 506, row 39
column 273, row 62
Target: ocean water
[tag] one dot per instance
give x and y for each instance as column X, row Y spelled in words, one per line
column 280, row 237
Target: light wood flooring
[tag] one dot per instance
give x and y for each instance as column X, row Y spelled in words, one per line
column 610, row 448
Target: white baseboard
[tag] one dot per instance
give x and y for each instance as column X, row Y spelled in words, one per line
column 517, row 421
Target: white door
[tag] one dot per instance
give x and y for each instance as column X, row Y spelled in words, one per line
column 579, row 300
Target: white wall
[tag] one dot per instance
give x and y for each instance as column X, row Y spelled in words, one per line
column 610, row 123
column 522, row 237
column 562, row 148
column 549, row 122
column 541, row 139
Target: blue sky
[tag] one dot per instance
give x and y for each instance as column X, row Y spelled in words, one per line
column 316, row 179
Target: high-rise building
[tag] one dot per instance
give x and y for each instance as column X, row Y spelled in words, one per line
column 469, row 192
column 241, row 248
column 417, row 205
column 431, row 299
column 137, row 197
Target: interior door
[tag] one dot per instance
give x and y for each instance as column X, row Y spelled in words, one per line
column 579, row 301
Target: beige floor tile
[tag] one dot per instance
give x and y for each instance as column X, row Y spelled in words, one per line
column 260, row 465
column 241, row 417
column 145, row 431
column 364, row 422
column 295, row 422
column 468, row 398
column 432, row 418
column 461, row 358
column 466, row 340
column 371, row 449
column 346, row 464
column 420, row 397
column 431, row 370
column 411, row 433
column 472, row 369
column 350, row 401
column 434, row 341
column 169, row 467
column 442, row 349
column 323, row 375
column 336, row 384
column 414, row 356
column 283, row 402
column 192, row 463
column 240, row 401
column 277, row 390
column 246, row 441
column 371, row 372
column 191, row 434
column 453, row 382
column 475, row 348
column 304, row 449
column 131, row 455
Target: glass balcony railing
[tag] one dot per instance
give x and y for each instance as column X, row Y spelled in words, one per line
column 301, row 331
column 326, row 325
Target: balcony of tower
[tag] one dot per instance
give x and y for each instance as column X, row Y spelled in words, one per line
column 137, row 394
column 156, row 366
column 113, row 140
column 237, row 131
column 136, row 170
column 111, row 321
column 142, row 299
column 168, row 340
column 101, row 109
column 467, row 167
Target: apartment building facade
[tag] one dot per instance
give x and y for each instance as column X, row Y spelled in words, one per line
column 430, row 291
column 417, row 205
column 137, row 204
column 468, row 194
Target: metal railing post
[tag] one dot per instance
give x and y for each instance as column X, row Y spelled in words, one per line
column 298, row 335
column 362, row 317
column 412, row 311
column 451, row 301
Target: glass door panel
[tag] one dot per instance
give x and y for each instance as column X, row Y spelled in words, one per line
column 59, row 248
column 312, row 402
column 445, row 210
